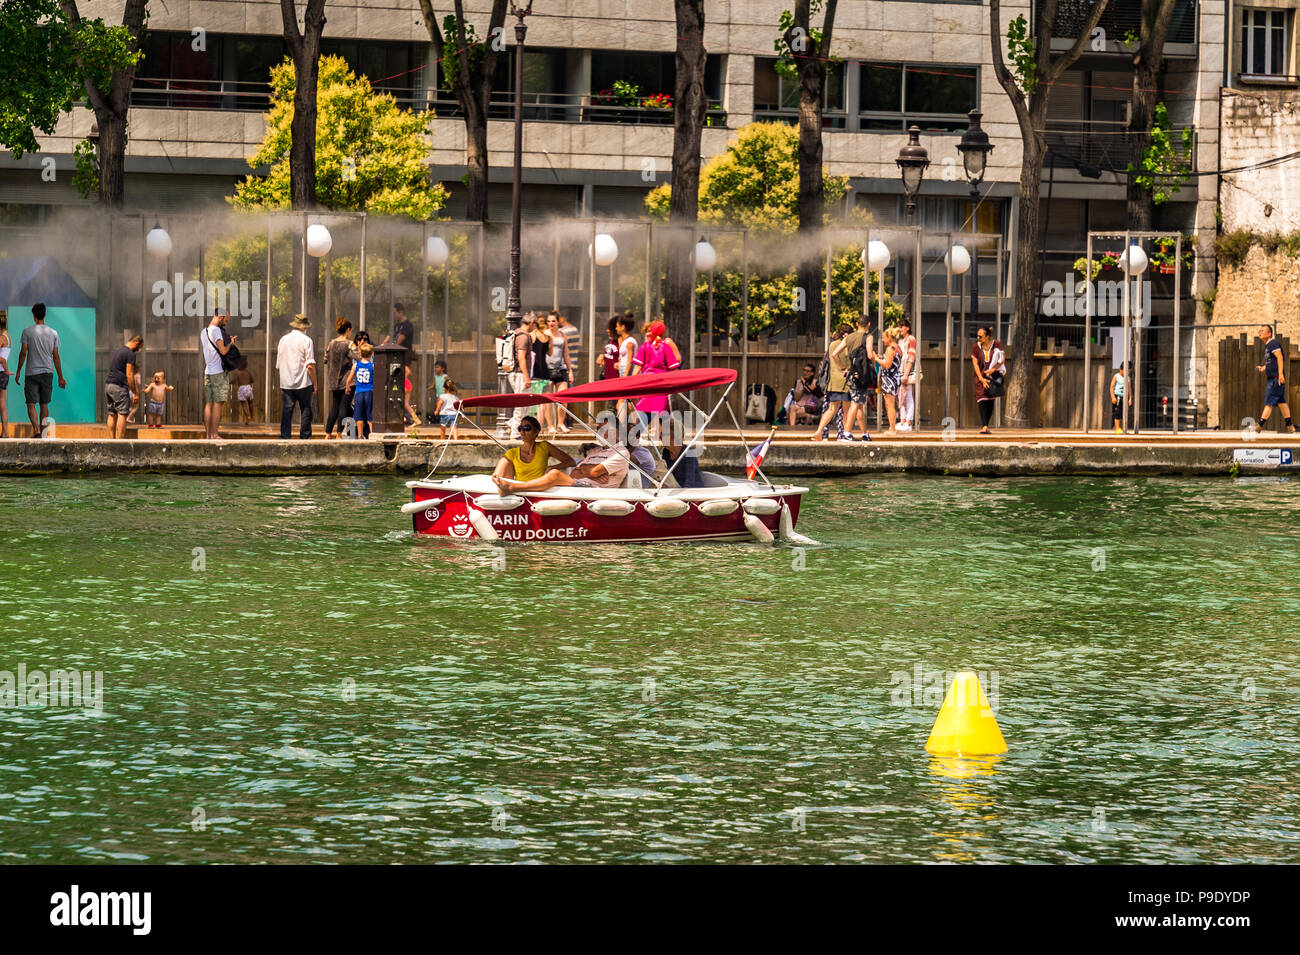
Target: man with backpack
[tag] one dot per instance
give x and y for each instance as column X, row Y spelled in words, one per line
column 518, row 369
column 858, row 377
column 837, row 391
column 216, row 345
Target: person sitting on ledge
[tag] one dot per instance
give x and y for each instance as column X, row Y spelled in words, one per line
column 605, row 466
column 530, row 460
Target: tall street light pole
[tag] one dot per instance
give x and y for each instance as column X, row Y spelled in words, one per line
column 974, row 148
column 513, row 305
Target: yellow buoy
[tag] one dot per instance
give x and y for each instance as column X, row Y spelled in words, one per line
column 966, row 725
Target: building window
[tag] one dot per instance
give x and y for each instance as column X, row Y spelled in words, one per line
column 1265, row 39
column 776, row 97
column 895, row 96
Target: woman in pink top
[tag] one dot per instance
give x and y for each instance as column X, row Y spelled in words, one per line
column 657, row 353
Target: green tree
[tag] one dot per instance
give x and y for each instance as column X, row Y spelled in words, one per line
column 1028, row 82
column 1164, row 167
column 370, row 153
column 805, row 53
column 61, row 56
column 303, row 44
column 754, row 182
column 469, row 65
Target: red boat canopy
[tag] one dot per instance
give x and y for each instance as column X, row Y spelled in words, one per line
column 631, row 386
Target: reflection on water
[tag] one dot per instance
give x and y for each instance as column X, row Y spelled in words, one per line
column 321, row 687
column 961, row 787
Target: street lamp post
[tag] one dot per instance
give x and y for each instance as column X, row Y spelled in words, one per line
column 912, row 162
column 974, row 148
column 514, row 311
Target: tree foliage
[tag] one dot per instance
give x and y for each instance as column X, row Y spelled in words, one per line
column 754, row 182
column 1165, row 166
column 1024, row 62
column 370, row 153
column 48, row 61
column 789, row 53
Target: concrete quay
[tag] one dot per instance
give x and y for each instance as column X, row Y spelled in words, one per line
column 1005, row 454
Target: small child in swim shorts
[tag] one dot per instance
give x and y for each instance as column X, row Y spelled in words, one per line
column 241, row 381
column 155, row 393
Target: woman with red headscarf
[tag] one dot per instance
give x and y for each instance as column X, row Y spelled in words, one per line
column 657, row 353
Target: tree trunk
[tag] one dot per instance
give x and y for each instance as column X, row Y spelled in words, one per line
column 1157, row 15
column 1031, row 113
column 476, row 159
column 1024, row 324
column 304, row 47
column 112, row 157
column 111, row 107
column 812, row 193
column 473, row 91
column 1142, row 108
column 690, row 107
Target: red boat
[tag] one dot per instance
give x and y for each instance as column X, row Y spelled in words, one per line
column 643, row 509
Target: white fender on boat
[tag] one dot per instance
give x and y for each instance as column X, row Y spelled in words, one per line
column 758, row 529
column 483, row 525
column 717, row 508
column 787, row 531
column 415, row 507
column 498, row 502
column 762, row 505
column 554, row 507
column 667, row 507
column 611, row 507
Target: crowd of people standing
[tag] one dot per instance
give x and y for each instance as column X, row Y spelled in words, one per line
column 855, row 371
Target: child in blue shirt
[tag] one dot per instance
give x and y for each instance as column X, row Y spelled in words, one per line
column 362, row 376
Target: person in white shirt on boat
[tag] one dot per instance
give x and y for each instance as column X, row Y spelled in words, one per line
column 605, row 466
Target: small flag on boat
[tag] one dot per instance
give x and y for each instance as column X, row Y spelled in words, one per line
column 754, row 457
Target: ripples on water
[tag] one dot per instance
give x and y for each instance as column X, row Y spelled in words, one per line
column 328, row 689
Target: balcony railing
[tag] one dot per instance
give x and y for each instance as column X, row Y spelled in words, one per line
column 538, row 107
column 1101, row 144
column 1122, row 18
column 569, row 108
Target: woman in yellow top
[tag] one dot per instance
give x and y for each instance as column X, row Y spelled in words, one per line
column 531, row 459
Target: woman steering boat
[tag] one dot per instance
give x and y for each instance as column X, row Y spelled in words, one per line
column 532, row 458
column 602, row 498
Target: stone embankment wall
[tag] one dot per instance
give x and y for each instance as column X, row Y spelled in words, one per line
column 1257, row 125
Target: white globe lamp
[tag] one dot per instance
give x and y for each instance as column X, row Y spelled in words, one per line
column 319, row 241
column 436, row 252
column 158, row 243
column 706, row 256
column 876, row 256
column 957, row 259
column 606, row 250
column 1133, row 261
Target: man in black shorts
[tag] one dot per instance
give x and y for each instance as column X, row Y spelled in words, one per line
column 119, row 385
column 1275, row 377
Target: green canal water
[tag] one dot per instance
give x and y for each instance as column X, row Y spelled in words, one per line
column 316, row 686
